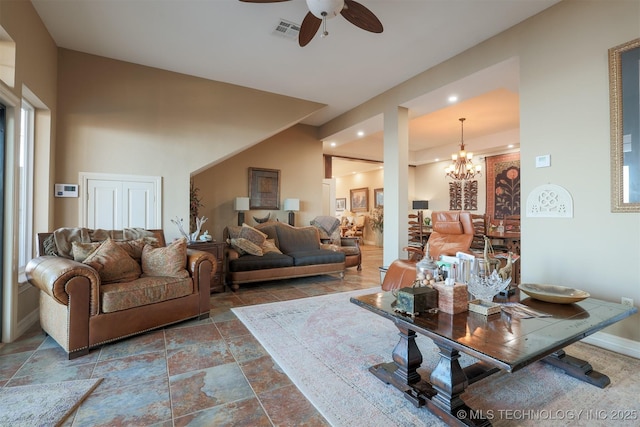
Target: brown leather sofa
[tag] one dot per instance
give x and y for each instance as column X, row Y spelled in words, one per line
column 73, row 297
column 299, row 254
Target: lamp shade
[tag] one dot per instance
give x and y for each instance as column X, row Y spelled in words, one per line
column 420, row 204
column 291, row 204
column 241, row 204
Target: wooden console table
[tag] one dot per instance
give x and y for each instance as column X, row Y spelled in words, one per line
column 217, row 250
column 498, row 343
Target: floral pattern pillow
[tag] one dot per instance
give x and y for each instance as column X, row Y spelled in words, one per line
column 112, row 263
column 253, row 235
column 169, row 261
column 244, row 246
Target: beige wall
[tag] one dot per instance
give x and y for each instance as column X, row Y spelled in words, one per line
column 35, row 77
column 121, row 118
column 565, row 113
column 296, row 152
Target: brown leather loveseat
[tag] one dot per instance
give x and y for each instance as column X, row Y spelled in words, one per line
column 98, row 286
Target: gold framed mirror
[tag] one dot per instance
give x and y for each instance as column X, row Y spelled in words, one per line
column 624, row 97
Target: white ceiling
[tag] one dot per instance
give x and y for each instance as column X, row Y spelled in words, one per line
column 234, row 42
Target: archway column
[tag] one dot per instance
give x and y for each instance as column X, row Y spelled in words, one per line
column 396, row 188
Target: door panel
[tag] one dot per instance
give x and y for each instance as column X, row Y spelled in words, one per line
column 115, row 202
column 138, row 204
column 104, row 204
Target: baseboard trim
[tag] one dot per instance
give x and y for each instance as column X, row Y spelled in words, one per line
column 614, row 343
column 28, row 321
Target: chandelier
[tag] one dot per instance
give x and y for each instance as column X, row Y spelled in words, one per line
column 462, row 167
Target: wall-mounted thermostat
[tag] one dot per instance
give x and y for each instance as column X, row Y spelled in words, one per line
column 66, row 190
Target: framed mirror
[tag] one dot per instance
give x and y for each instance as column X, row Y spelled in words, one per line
column 624, row 94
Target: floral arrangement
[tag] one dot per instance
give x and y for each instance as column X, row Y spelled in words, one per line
column 377, row 219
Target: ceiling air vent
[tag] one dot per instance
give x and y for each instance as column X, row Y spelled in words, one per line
column 287, row 29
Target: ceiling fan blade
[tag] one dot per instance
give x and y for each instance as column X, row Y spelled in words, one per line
column 361, row 17
column 308, row 29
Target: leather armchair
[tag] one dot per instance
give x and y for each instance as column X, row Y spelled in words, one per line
column 452, row 232
column 74, row 312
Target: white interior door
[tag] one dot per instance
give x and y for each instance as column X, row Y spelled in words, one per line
column 104, row 206
column 329, row 196
column 114, row 202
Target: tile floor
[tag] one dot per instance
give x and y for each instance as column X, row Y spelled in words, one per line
column 197, row 373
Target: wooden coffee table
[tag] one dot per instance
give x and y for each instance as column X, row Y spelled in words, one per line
column 498, row 341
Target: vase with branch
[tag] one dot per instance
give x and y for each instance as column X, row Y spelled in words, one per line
column 195, row 203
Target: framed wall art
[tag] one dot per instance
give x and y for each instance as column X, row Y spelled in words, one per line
column 264, row 188
column 360, row 199
column 378, row 197
column 624, row 74
column 341, row 204
column 503, row 185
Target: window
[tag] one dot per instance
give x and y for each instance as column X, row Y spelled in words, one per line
column 25, row 200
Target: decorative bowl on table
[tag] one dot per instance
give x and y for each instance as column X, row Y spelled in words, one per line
column 553, row 293
column 486, row 287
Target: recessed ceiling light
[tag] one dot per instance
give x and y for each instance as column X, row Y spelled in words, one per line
column 360, row 133
column 453, row 98
column 510, row 146
column 437, row 160
column 333, row 144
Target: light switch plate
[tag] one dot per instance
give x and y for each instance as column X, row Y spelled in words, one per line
column 543, row 161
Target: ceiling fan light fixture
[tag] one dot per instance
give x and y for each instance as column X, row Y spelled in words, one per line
column 325, row 9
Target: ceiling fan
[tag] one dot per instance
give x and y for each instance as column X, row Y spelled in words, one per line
column 321, row 10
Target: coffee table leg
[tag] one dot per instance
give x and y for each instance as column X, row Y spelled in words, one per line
column 577, row 368
column 448, row 379
column 447, row 382
column 407, row 357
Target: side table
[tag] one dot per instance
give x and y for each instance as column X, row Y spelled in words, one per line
column 217, row 250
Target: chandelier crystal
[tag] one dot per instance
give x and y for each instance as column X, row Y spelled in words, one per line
column 462, row 167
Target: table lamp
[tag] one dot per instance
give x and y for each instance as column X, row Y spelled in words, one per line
column 419, row 205
column 291, row 205
column 241, row 204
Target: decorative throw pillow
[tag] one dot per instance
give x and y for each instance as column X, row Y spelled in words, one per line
column 269, row 245
column 255, row 236
column 112, row 263
column 134, row 247
column 49, row 245
column 233, row 231
column 169, row 261
column 246, row 246
column 82, row 250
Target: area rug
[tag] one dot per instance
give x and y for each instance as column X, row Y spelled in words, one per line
column 42, row 404
column 326, row 345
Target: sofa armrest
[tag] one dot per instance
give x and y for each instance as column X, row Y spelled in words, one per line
column 202, row 267
column 54, row 275
column 350, row 241
column 231, row 253
column 196, row 257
